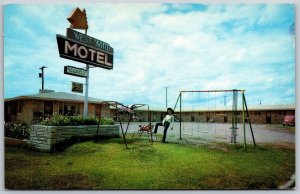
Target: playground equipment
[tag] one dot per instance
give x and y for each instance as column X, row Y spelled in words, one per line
column 145, row 129
column 209, row 101
column 122, row 112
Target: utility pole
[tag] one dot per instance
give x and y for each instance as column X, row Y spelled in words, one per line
column 41, row 75
column 225, row 100
column 166, row 96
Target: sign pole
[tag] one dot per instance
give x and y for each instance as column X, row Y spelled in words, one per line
column 85, row 108
column 85, row 114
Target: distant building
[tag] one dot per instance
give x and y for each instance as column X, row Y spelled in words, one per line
column 261, row 114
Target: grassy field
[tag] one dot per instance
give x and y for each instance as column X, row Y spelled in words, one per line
column 108, row 165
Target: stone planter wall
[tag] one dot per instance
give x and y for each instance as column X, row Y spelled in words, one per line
column 45, row 137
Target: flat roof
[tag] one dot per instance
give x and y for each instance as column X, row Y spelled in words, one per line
column 58, row 96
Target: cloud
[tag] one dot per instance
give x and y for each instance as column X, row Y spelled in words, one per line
column 181, row 46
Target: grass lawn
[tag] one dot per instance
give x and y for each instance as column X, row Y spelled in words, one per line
column 108, row 165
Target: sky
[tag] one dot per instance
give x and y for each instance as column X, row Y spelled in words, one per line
column 158, row 45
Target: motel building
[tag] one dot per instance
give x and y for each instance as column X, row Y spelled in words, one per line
column 260, row 114
column 34, row 108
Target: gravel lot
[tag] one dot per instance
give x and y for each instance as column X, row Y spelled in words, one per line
column 220, row 132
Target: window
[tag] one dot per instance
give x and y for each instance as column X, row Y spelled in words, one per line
column 257, row 113
column 282, row 112
column 78, row 109
column 48, row 108
column 61, row 108
column 200, row 113
column 69, row 110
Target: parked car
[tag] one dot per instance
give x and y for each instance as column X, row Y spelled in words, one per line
column 289, row 120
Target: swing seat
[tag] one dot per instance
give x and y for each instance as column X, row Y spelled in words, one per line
column 145, row 129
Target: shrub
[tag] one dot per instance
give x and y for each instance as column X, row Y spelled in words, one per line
column 60, row 120
column 17, row 129
column 106, row 121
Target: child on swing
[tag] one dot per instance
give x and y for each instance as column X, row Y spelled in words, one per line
column 168, row 120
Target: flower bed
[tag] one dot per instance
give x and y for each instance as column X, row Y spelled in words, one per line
column 60, row 120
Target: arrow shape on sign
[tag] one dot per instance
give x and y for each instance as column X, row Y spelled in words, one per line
column 78, row 19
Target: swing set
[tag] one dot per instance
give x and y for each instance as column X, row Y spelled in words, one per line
column 209, row 118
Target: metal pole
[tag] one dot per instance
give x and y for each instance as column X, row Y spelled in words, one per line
column 244, row 127
column 42, row 68
column 166, row 96
column 180, row 116
column 213, row 90
column 85, row 113
column 123, row 135
column 176, row 102
column 85, row 108
column 249, row 120
column 42, row 78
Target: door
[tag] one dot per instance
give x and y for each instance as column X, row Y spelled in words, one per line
column 207, row 117
column 268, row 118
column 48, row 108
column 225, row 119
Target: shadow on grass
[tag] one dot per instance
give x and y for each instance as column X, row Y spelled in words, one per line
column 61, row 146
column 79, row 181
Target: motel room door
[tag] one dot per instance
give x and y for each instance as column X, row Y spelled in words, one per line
column 207, row 117
column 48, row 108
column 268, row 118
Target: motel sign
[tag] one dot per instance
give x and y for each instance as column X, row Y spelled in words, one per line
column 80, row 47
column 77, row 51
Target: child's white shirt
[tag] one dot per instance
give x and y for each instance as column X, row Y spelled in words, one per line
column 170, row 119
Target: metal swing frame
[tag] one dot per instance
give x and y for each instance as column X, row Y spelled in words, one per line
column 244, row 110
column 122, row 111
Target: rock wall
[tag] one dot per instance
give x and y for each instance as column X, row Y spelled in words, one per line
column 45, row 137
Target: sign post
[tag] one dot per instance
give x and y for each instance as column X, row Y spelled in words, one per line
column 83, row 48
column 85, row 108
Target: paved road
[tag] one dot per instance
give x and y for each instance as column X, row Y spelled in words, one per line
column 221, row 132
